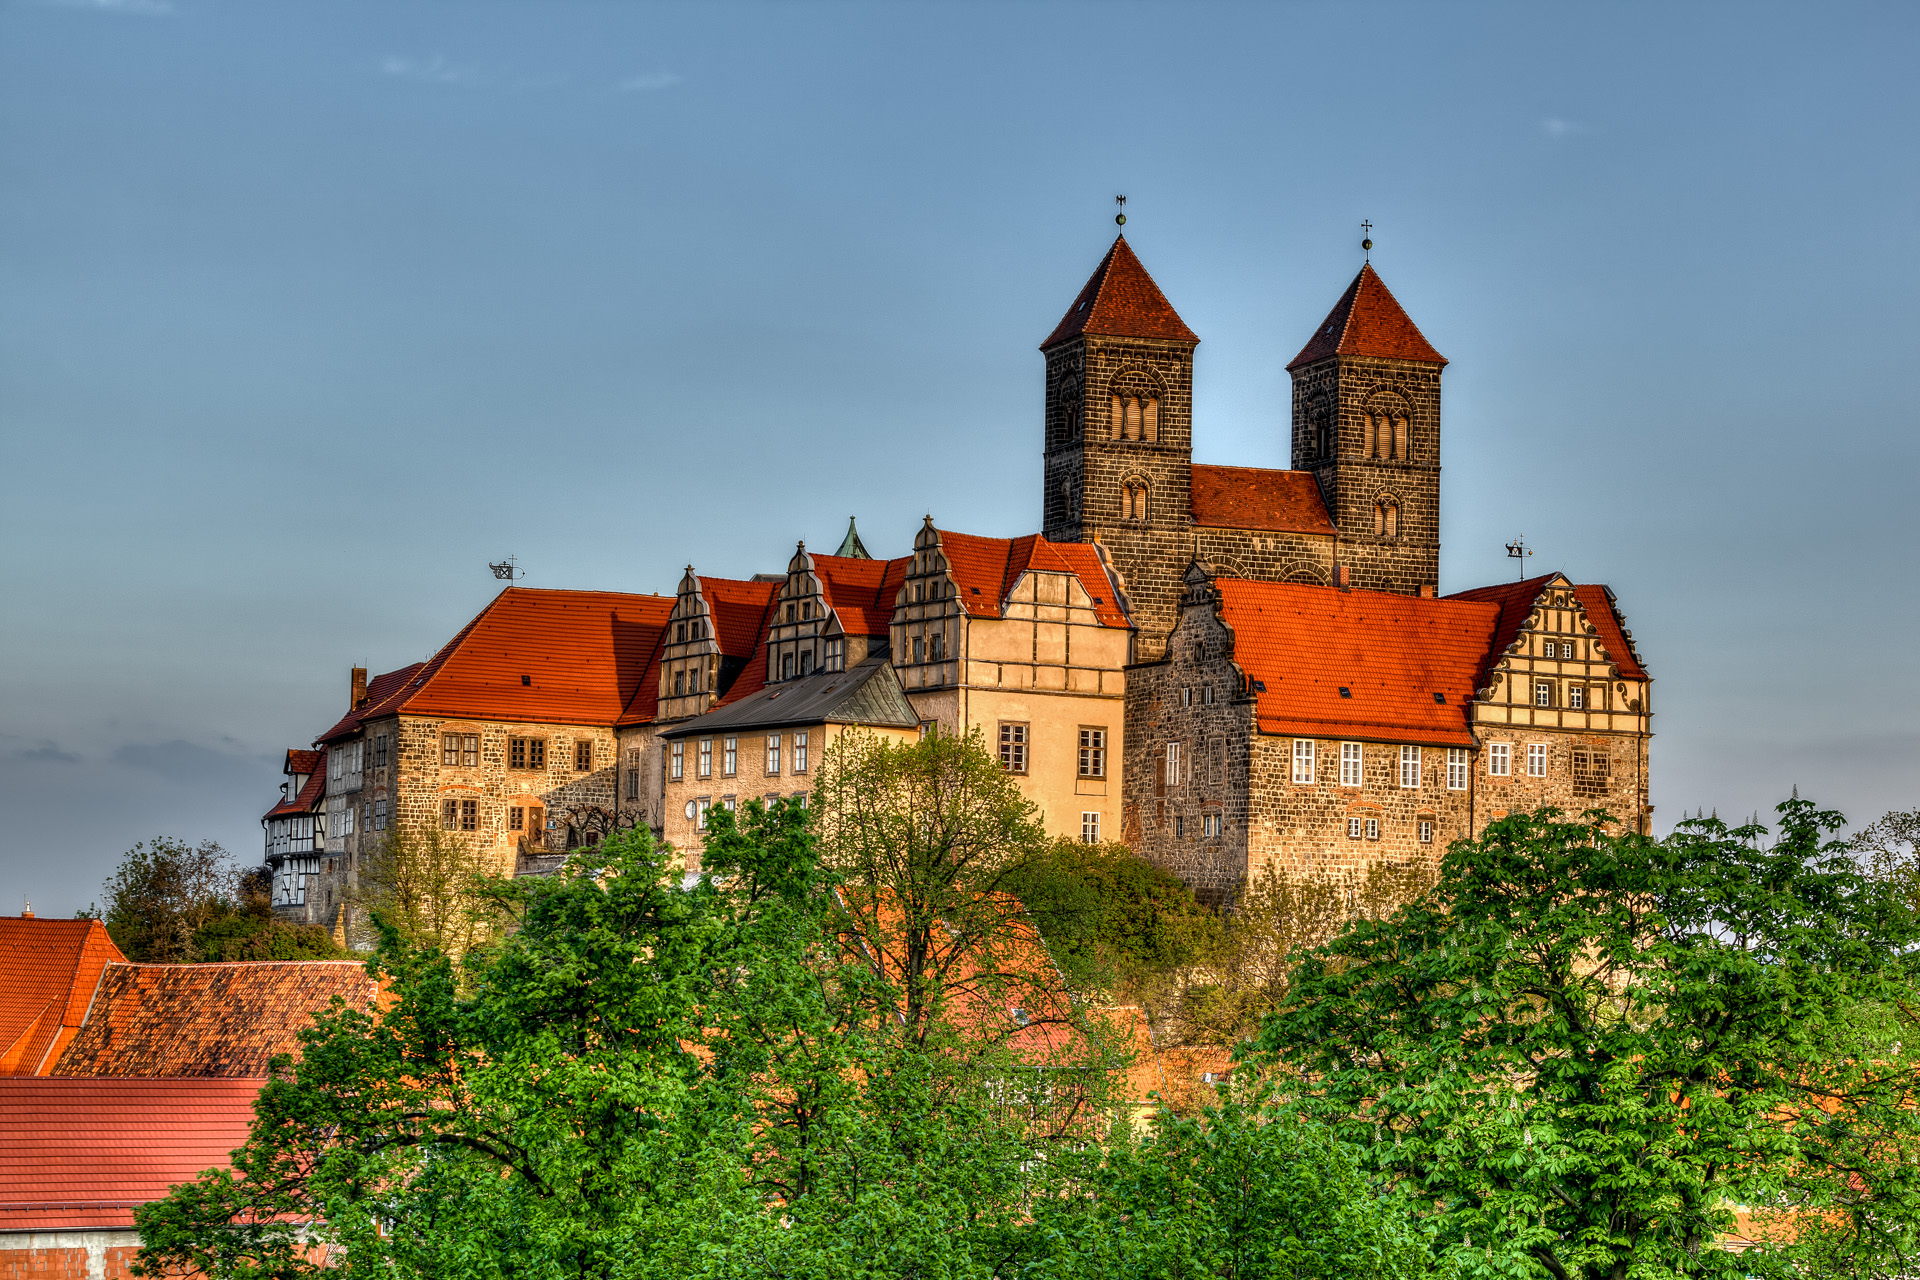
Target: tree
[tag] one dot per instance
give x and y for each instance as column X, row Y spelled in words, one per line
column 1582, row 1048
column 174, row 903
column 431, row 886
column 1889, row 850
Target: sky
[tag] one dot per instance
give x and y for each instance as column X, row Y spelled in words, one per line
column 310, row 311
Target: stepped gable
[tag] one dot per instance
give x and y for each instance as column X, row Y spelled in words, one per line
column 80, row 1154
column 1259, row 498
column 860, row 591
column 1368, row 321
column 985, row 571
column 739, row 609
column 1516, row 601
column 1121, row 300
column 1302, row 644
column 206, row 1019
column 534, row 655
column 48, row 970
column 381, row 690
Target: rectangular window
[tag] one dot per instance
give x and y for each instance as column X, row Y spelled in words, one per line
column 1409, row 766
column 1210, row 825
column 1542, row 693
column 730, row 756
column 336, row 761
column 1426, row 831
column 1356, row 827
column 730, row 803
column 380, row 814
column 1537, row 760
column 1186, row 696
column 1180, row 826
column 773, row 755
column 450, row 749
column 633, row 784
column 1349, row 764
column 799, row 753
column 526, row 753
column 1499, row 759
column 469, row 815
column 1303, row 759
column 582, row 757
column 836, row 655
column 1093, row 753
column 450, row 815
column 800, row 798
column 677, row 761
column 516, row 818
column 700, row 811
column 1013, row 747
column 1173, row 764
column 1576, row 698
column 919, row 649
column 705, row 764
column 1456, row 768
column 1373, row 828
column 380, row 752
column 1090, row 827
column 1208, row 695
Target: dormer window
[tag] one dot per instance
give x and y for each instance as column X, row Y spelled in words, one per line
column 836, row 655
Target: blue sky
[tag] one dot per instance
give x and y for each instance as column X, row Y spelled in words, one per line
column 308, row 311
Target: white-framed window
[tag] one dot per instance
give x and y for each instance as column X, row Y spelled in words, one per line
column 1356, row 827
column 1349, row 764
column 1426, row 831
column 1537, row 760
column 1173, row 764
column 1186, row 695
column 677, row 761
column 1576, row 698
column 1566, row 650
column 1090, row 827
column 1303, row 759
column 700, row 811
column 336, row 763
column 730, row 756
column 380, row 814
column 1457, row 768
column 836, row 654
column 1373, row 828
column 1499, row 759
column 730, row 803
column 706, row 758
column 800, row 798
column 1409, row 766
column 1180, row 825
column 1013, row 746
column 1542, row 693
column 1207, row 695
column 799, row 753
column 773, row 755
column 1210, row 825
column 1093, row 752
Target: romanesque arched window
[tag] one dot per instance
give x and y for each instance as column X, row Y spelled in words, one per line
column 1386, row 431
column 1133, row 500
column 1386, row 518
column 1134, row 407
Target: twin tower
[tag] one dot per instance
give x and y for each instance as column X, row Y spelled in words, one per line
column 1360, row 509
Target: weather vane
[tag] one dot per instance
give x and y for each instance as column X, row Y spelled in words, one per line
column 508, row 570
column 1120, row 218
column 1366, row 240
column 1519, row 550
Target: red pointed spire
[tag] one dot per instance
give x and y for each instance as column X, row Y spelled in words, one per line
column 1121, row 301
column 1367, row 321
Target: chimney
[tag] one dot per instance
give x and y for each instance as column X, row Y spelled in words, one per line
column 26, row 910
column 359, row 688
column 1428, row 590
column 1340, row 577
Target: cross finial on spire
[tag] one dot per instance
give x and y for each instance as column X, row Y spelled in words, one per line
column 1120, row 218
column 1366, row 240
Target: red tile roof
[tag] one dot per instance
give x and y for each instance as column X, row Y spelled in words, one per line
column 1606, row 619
column 81, row 1153
column 1121, row 300
column 48, row 969
column 1392, row 653
column 299, row 761
column 312, row 792
column 861, row 592
column 740, row 610
column 534, row 656
column 1515, row 601
column 206, row 1019
column 1368, row 321
column 382, row 689
column 1258, row 498
column 986, row 569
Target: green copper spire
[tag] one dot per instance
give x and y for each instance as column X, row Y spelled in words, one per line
column 850, row 546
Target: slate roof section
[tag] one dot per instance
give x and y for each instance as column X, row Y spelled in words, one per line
column 867, row 694
column 985, row 571
column 48, row 969
column 201, row 1020
column 532, row 656
column 1259, row 498
column 79, row 1154
column 1368, row 321
column 1302, row 644
column 1120, row 300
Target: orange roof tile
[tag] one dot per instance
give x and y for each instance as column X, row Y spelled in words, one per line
column 860, row 592
column 206, row 1019
column 1121, row 300
column 1258, row 498
column 1368, row 321
column 312, row 792
column 382, row 689
column 81, row 1153
column 1515, row 601
column 48, row 969
column 986, row 569
column 534, row 656
column 299, row 761
column 1392, row 653
column 1605, row 616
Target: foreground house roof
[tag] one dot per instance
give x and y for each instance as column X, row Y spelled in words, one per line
column 48, row 970
column 867, row 694
column 1259, row 498
column 1120, row 300
column 1368, row 321
column 206, row 1019
column 80, row 1154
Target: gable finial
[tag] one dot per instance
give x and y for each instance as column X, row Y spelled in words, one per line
column 1366, row 240
column 1120, row 218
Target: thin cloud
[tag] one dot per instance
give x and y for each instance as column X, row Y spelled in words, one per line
column 433, row 70
column 1556, row 128
column 648, row 82
column 141, row 8
column 46, row 752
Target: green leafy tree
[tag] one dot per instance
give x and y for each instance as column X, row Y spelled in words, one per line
column 431, row 886
column 170, row 902
column 1888, row 849
column 1583, row 1049
column 1111, row 918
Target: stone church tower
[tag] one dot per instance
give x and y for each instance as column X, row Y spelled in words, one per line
column 1366, row 423
column 1119, row 434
